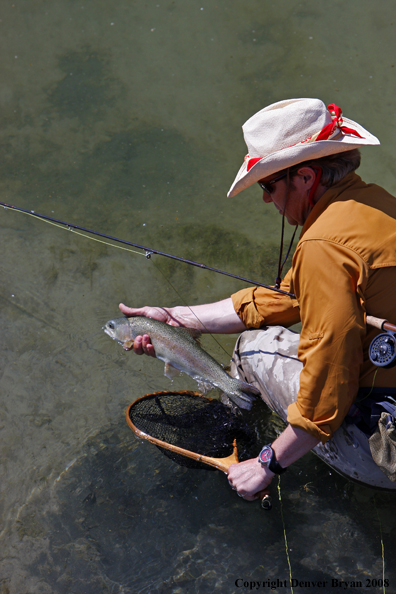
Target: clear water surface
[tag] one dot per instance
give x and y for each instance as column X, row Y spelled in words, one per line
column 126, row 117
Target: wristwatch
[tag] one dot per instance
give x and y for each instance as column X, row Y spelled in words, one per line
column 267, row 458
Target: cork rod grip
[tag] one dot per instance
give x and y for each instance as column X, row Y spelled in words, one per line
column 380, row 323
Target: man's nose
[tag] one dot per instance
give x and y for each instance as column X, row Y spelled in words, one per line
column 267, row 198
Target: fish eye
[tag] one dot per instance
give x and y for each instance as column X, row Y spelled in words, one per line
column 111, row 325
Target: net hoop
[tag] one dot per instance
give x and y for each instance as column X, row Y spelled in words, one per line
column 222, row 464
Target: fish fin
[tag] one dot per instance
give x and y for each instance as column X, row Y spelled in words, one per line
column 242, row 400
column 193, row 332
column 203, row 387
column 127, row 344
column 170, row 371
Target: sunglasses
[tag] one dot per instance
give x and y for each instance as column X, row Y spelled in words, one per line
column 268, row 186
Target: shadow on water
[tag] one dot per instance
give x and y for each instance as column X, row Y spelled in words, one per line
column 212, row 245
column 87, row 88
column 123, row 518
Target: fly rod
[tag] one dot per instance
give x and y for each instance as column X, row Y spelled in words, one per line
column 380, row 323
column 149, row 251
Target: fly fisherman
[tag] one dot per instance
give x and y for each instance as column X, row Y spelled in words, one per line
column 303, row 156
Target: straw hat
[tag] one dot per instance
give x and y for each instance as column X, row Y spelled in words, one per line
column 292, row 131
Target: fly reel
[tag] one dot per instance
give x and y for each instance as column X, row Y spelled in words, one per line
column 382, row 351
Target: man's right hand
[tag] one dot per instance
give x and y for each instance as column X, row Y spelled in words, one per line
column 217, row 318
column 142, row 344
column 162, row 314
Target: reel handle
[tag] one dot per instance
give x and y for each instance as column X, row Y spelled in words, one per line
column 265, row 499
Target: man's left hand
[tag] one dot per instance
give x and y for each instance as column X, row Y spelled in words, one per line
column 249, row 478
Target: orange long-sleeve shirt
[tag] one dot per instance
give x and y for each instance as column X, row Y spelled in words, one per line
column 344, row 267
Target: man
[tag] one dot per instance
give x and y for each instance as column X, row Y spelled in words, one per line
column 303, row 156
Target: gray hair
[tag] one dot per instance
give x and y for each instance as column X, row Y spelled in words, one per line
column 334, row 167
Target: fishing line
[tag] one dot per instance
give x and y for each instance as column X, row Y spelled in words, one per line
column 284, row 534
column 189, row 307
column 70, row 228
column 372, row 386
column 281, row 264
column 382, row 545
column 148, row 251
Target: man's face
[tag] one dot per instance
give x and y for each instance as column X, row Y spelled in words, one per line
column 296, row 199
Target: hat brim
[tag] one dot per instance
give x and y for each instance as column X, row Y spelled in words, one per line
column 298, row 153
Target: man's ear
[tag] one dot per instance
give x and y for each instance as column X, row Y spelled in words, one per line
column 307, row 174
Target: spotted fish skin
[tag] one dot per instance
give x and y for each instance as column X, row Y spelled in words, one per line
column 179, row 350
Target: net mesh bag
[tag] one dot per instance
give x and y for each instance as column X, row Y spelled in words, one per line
column 193, row 422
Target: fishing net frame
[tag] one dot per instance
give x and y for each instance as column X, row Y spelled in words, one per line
column 140, row 413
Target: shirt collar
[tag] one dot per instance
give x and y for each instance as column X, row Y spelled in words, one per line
column 330, row 196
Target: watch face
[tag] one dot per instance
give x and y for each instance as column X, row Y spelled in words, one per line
column 266, row 455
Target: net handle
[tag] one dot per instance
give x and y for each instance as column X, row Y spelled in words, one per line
column 222, row 464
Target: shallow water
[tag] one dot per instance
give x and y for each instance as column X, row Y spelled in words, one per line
column 125, row 118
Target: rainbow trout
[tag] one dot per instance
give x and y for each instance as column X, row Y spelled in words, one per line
column 178, row 348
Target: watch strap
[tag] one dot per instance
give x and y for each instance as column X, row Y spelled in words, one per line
column 271, row 462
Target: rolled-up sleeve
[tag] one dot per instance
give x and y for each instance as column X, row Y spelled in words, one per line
column 257, row 306
column 329, row 281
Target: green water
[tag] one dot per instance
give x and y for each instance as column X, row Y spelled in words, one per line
column 126, row 117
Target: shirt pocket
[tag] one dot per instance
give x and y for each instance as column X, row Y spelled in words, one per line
column 315, row 335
